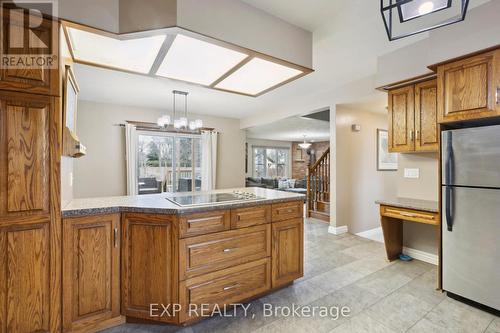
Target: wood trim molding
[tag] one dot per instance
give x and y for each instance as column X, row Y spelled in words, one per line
column 407, row 82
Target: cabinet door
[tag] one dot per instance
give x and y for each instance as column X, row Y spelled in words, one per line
column 25, row 276
column 401, row 120
column 22, row 44
column 287, row 251
column 468, row 88
column 24, row 146
column 91, row 271
column 149, row 264
column 426, row 130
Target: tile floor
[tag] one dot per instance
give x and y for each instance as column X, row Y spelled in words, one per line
column 350, row 271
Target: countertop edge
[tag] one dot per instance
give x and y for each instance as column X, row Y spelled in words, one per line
column 408, row 205
column 69, row 213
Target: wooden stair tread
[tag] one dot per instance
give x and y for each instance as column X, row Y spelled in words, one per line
column 319, row 212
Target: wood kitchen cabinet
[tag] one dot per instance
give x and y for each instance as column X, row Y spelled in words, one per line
column 91, row 273
column 150, row 264
column 25, row 275
column 413, row 118
column 469, row 88
column 35, row 79
column 29, row 213
column 287, row 251
column 426, row 126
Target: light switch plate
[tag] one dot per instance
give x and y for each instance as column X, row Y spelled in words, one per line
column 412, row 173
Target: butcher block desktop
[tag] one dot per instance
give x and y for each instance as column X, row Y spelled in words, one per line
column 148, row 252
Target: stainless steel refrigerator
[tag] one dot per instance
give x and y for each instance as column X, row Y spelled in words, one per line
column 471, row 214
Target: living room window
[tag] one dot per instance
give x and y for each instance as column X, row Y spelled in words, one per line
column 270, row 162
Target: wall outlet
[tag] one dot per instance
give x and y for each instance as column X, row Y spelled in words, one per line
column 412, row 173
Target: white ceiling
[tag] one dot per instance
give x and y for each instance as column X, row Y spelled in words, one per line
column 348, row 38
column 307, row 14
column 292, row 129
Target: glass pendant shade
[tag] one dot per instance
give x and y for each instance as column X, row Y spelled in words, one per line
column 403, row 18
column 304, row 145
column 164, row 120
column 198, row 123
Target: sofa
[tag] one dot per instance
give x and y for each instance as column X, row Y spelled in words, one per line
column 274, row 183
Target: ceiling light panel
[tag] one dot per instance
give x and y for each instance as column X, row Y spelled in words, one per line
column 192, row 60
column 257, row 76
column 136, row 55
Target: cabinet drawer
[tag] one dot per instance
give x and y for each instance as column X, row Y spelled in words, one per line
column 228, row 286
column 204, row 223
column 247, row 217
column 203, row 254
column 410, row 215
column 287, row 210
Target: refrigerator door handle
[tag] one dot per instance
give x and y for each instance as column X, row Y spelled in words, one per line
column 449, row 179
column 448, row 204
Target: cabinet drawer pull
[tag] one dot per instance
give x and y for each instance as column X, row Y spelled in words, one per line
column 230, row 249
column 412, row 136
column 288, row 210
column 408, row 214
column 204, row 219
column 231, row 287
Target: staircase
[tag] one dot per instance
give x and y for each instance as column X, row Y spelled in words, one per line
column 318, row 188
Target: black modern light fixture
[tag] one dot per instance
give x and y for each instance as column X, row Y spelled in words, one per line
column 404, row 18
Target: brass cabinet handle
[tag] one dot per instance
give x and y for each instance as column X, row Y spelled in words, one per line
column 411, row 135
column 115, row 237
column 418, row 135
column 498, row 95
column 230, row 249
column 230, row 287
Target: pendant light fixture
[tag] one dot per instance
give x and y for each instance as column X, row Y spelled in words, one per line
column 181, row 123
column 305, row 145
column 404, row 18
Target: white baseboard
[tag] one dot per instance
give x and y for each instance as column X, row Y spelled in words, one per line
column 337, row 230
column 375, row 234
column 421, row 255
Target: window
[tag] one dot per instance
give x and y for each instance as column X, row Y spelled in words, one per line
column 270, row 162
column 168, row 162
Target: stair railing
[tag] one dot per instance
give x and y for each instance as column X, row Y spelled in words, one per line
column 318, row 182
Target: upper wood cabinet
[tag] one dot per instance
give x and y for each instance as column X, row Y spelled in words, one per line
column 91, row 272
column 469, row 88
column 150, row 272
column 426, row 126
column 30, row 43
column 402, row 119
column 413, row 118
column 24, row 146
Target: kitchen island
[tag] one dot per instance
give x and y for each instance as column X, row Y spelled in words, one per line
column 174, row 258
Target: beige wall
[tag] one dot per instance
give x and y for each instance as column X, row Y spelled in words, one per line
column 419, row 236
column 266, row 143
column 102, row 172
column 359, row 183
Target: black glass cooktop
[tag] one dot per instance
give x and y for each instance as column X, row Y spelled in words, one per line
column 213, row 198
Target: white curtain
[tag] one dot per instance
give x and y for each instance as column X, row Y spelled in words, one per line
column 208, row 160
column 131, row 156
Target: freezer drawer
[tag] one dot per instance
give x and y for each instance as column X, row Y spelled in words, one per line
column 471, row 157
column 471, row 251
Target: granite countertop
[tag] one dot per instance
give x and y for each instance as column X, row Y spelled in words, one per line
column 157, row 203
column 417, row 204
